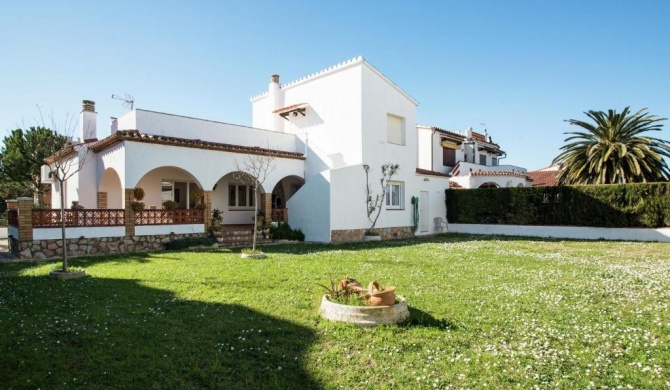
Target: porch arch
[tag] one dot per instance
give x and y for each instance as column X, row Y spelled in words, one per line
column 110, row 186
column 168, row 183
column 234, row 197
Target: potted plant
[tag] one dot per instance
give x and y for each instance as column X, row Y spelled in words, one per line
column 217, row 217
column 197, row 197
column 346, row 301
column 170, row 205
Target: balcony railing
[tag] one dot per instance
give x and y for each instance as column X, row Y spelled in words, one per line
column 170, row 217
column 78, row 218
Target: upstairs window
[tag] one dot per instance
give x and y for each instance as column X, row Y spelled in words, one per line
column 482, row 159
column 494, row 161
column 395, row 195
column 395, row 130
column 448, row 157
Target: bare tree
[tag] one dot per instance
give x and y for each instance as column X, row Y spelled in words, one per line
column 65, row 162
column 254, row 169
column 374, row 201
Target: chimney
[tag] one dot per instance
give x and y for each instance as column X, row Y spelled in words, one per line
column 468, row 132
column 276, row 96
column 88, row 121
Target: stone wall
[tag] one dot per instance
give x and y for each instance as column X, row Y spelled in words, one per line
column 353, row 235
column 53, row 249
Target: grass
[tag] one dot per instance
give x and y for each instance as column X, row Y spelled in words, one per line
column 491, row 313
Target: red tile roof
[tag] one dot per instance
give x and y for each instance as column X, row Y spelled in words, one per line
column 455, row 186
column 545, row 177
column 136, row 136
column 289, row 108
column 497, row 173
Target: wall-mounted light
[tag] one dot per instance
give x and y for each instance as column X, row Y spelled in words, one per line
column 426, row 179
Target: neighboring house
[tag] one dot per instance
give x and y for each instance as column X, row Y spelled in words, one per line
column 545, row 177
column 471, row 159
column 320, row 129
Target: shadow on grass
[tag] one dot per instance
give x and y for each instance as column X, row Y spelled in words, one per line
column 419, row 318
column 108, row 333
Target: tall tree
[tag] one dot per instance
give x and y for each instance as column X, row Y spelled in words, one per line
column 23, row 153
column 612, row 150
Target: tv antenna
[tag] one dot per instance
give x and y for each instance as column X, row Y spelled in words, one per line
column 128, row 101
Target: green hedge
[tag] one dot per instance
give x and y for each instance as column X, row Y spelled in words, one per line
column 620, row 205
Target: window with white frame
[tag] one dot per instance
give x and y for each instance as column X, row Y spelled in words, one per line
column 395, row 195
column 240, row 195
column 395, row 129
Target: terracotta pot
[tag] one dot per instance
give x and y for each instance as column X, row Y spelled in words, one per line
column 380, row 298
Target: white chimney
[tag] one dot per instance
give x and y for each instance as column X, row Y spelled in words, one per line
column 276, row 96
column 88, row 121
column 468, row 132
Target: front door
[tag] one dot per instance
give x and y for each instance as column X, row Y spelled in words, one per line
column 423, row 211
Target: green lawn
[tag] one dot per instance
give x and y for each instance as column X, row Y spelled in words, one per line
column 486, row 313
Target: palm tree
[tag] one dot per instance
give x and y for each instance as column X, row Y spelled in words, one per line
column 612, row 150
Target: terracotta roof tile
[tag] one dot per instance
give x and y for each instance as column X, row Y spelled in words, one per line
column 544, row 178
column 136, row 136
column 289, row 108
column 498, row 173
column 455, row 186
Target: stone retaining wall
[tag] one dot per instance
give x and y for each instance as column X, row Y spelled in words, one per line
column 354, row 235
column 53, row 249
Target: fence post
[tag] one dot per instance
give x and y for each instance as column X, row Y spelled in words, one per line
column 129, row 214
column 102, row 200
column 25, row 219
column 266, row 206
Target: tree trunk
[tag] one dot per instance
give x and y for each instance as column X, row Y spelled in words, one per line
column 62, row 224
column 253, row 245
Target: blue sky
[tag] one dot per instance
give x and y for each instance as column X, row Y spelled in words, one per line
column 521, row 67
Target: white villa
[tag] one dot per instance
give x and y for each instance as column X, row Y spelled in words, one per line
column 472, row 159
column 320, row 129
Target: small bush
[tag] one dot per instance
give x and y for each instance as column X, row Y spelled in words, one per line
column 187, row 242
column 284, row 232
column 137, row 206
column 138, row 193
column 170, row 205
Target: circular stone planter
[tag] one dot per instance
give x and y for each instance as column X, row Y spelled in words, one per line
column 60, row 275
column 372, row 238
column 366, row 316
column 253, row 255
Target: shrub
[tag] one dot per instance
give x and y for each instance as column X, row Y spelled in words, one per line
column 170, row 205
column 617, row 205
column 186, row 242
column 138, row 193
column 284, row 232
column 137, row 206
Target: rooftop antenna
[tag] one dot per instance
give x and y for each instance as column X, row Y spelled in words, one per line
column 128, row 101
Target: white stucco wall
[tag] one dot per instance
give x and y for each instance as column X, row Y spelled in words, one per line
column 469, row 181
column 148, row 230
column 206, row 166
column 170, row 125
column 110, row 183
column 435, row 187
column 71, row 232
column 571, row 232
column 425, row 150
column 309, row 208
column 333, row 117
column 12, row 231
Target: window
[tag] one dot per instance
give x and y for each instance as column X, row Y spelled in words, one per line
column 240, row 195
column 494, row 161
column 394, row 195
column 395, row 130
column 166, row 191
column 482, row 159
column 448, row 157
